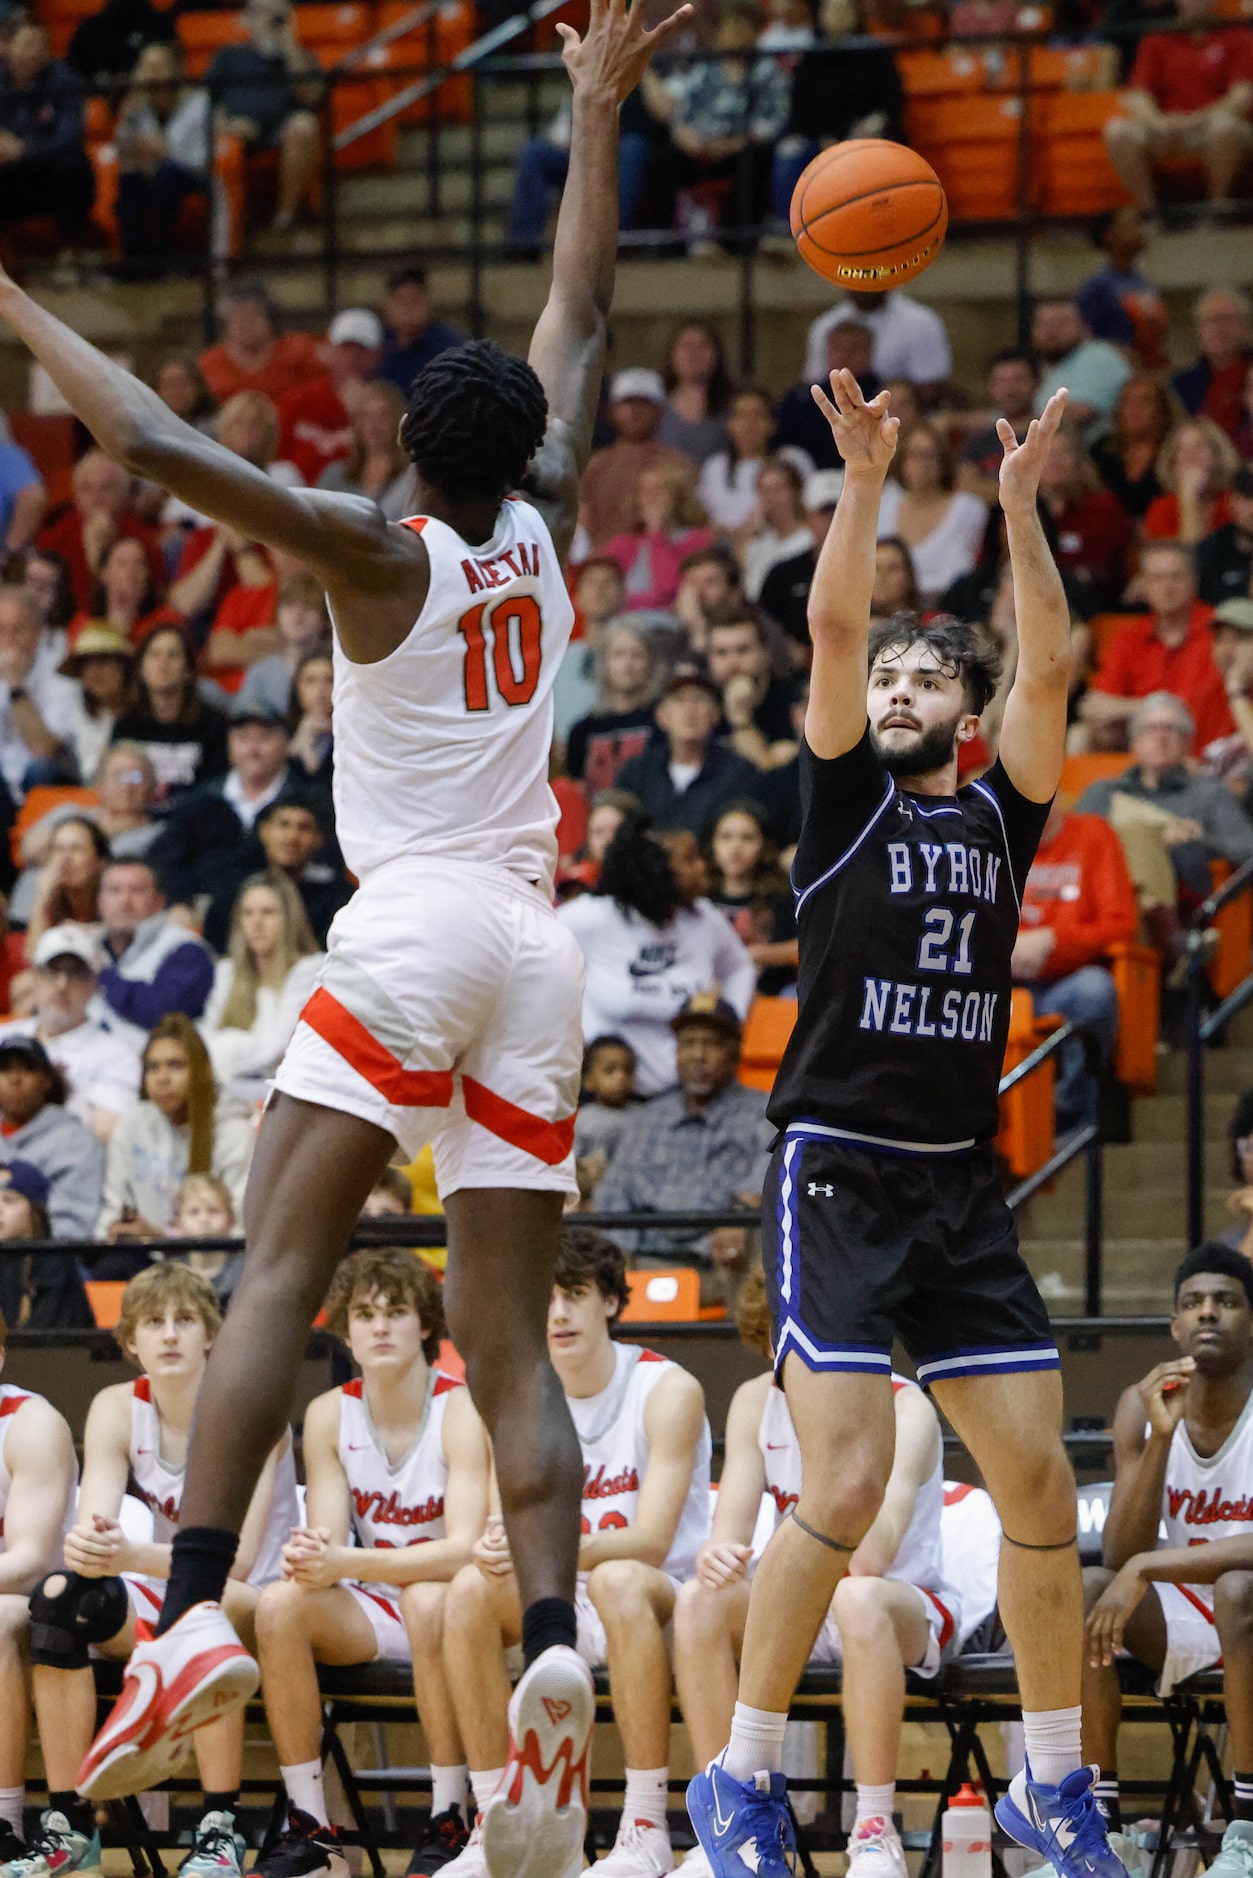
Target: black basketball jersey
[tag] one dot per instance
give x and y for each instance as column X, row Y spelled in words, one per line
column 907, row 908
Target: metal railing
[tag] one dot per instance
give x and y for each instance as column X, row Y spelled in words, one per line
column 1202, row 1028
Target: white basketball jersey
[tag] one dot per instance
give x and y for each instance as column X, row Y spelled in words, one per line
column 441, row 749
column 161, row 1487
column 615, row 1456
column 399, row 1503
column 918, row 1561
column 11, row 1400
column 1208, row 1499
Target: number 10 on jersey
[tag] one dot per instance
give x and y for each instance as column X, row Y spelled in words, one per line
column 514, row 624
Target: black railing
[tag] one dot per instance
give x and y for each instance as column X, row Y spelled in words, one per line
column 1202, row 1027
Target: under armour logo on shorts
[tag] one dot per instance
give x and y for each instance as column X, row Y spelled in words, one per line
column 816, row 1187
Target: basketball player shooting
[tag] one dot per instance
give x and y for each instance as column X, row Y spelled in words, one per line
column 882, row 1215
column 449, row 1006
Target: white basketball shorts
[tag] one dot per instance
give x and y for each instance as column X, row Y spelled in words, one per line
column 449, row 1010
column 1191, row 1634
column 943, row 1614
column 391, row 1639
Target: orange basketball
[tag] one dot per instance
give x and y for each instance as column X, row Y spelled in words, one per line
column 868, row 215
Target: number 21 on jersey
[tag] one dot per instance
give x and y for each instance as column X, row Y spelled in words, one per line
column 515, row 627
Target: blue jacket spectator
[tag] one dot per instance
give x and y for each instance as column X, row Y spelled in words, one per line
column 43, row 165
column 414, row 335
column 23, row 499
column 153, row 965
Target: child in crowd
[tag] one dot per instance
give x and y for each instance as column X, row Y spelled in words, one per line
column 392, row 1193
column 204, row 1210
column 749, row 887
column 605, row 1099
column 168, row 1322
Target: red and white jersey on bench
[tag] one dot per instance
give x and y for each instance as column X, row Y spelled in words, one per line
column 918, row 1562
column 442, row 747
column 401, row 1503
column 614, row 1441
column 161, row 1487
column 1208, row 1499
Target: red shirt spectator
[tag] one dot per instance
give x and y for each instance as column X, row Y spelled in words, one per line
column 1137, row 662
column 83, row 532
column 1095, row 535
column 316, row 419
column 252, row 354
column 1188, row 71
column 1079, row 889
column 1161, row 520
column 245, row 610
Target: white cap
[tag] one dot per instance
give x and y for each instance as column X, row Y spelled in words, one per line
column 69, row 940
column 637, row 382
column 823, row 488
column 356, row 326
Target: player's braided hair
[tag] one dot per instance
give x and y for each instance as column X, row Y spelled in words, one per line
column 961, row 651
column 475, row 418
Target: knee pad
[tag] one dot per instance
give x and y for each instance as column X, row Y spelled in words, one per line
column 85, row 1611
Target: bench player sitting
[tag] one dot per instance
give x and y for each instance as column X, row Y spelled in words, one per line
column 398, row 1459
column 1183, row 1458
column 38, row 1474
column 893, row 1611
column 646, row 1452
column 140, row 1430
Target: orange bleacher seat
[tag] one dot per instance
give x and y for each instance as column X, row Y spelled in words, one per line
column 38, row 803
column 1025, row 1140
column 952, row 72
column 1233, row 961
column 1078, row 772
column 50, row 441
column 973, row 145
column 203, row 34
column 429, row 47
column 668, row 1297
column 352, row 98
column 1137, row 975
column 105, row 1298
column 1105, row 627
column 60, row 17
column 769, row 1024
column 1075, row 174
column 334, row 28
column 1070, row 68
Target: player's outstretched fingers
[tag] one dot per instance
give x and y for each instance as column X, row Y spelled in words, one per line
column 825, row 405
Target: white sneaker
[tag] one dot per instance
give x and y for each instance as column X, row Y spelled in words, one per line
column 535, row 1822
column 470, row 1861
column 695, row 1865
column 641, row 1850
column 875, row 1850
column 174, row 1684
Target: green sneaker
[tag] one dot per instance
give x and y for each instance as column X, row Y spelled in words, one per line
column 57, row 1851
column 1235, row 1855
column 217, row 1850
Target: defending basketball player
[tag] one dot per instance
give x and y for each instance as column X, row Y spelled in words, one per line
column 891, row 1613
column 645, row 1446
column 396, row 1460
column 141, row 1429
column 449, row 1008
column 882, row 1214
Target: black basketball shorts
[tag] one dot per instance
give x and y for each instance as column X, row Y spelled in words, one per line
column 862, row 1246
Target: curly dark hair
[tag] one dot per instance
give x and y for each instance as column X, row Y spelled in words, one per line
column 636, row 873
column 961, row 651
column 396, row 1274
column 475, row 418
column 587, row 1257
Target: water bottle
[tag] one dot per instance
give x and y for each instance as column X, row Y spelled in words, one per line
column 966, row 1832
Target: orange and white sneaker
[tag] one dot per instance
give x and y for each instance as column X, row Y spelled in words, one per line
column 535, row 1822
column 193, row 1674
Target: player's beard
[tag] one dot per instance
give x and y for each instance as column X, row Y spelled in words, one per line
column 927, row 751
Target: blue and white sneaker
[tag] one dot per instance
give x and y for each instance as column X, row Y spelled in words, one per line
column 1064, row 1824
column 743, row 1825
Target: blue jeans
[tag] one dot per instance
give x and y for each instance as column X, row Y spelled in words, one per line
column 1088, row 1000
column 541, row 171
column 791, row 156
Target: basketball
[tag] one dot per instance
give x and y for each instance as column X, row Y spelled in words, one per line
column 868, row 215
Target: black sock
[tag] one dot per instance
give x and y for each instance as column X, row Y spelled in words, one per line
column 199, row 1568
column 80, row 1813
column 547, row 1622
column 1242, row 1796
column 1105, row 1793
column 222, row 1802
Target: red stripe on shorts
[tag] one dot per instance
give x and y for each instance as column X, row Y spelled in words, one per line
column 349, row 1038
column 549, row 1142
column 1200, row 1604
column 947, row 1625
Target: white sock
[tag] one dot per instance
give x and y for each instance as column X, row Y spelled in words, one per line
column 448, row 1788
column 875, row 1803
column 756, row 1744
column 647, row 1792
column 304, row 1789
column 12, row 1800
column 1051, row 1736
column 484, row 1784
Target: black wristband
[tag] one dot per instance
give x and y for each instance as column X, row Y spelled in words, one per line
column 16, row 693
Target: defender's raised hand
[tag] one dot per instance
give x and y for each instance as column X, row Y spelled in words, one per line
column 612, row 56
column 1023, row 462
column 865, row 433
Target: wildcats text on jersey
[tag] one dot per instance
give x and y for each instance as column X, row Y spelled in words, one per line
column 521, row 562
column 1207, row 1509
column 393, row 1511
column 597, row 1487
